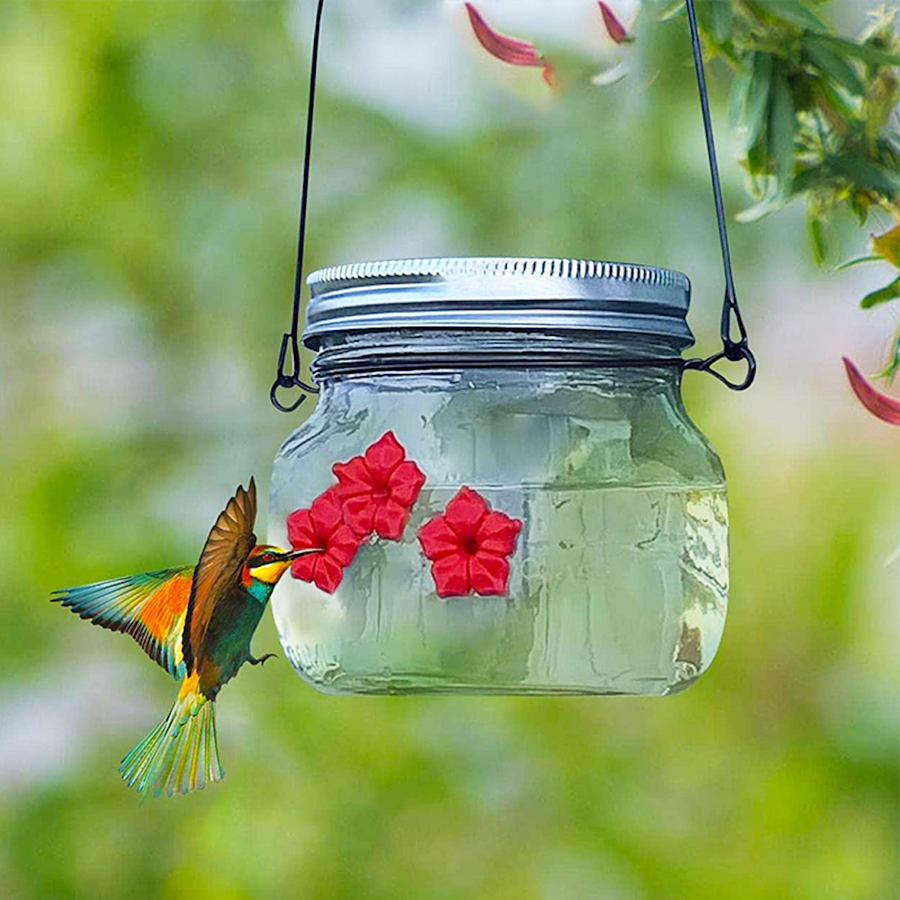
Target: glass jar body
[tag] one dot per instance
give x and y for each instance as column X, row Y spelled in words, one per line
column 619, row 577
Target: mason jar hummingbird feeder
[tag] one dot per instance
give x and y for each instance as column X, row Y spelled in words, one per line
column 506, row 491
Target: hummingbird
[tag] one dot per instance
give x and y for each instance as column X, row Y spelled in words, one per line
column 197, row 623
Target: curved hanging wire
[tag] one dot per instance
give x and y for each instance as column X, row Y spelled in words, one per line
column 732, row 350
column 291, row 340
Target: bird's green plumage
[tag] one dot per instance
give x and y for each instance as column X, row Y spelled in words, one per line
column 150, row 607
column 226, row 643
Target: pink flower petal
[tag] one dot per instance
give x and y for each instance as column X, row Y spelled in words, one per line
column 359, row 514
column 451, row 575
column 438, row 539
column 328, row 574
column 465, row 512
column 390, row 520
column 353, row 477
column 342, row 545
column 300, row 530
column 304, row 568
column 509, row 50
column 325, row 513
column 881, row 405
column 498, row 533
column 405, row 483
column 488, row 574
column 614, row 28
column 383, row 457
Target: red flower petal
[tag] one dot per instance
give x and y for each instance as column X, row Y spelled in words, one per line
column 614, row 28
column 328, row 573
column 359, row 514
column 304, row 567
column 451, row 575
column 325, row 513
column 465, row 512
column 438, row 538
column 353, row 477
column 383, row 457
column 510, row 50
column 507, row 49
column 881, row 405
column 498, row 533
column 390, row 520
column 405, row 483
column 300, row 530
column 488, row 574
column 342, row 545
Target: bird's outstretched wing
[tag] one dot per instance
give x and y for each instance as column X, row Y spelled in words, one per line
column 220, row 567
column 150, row 607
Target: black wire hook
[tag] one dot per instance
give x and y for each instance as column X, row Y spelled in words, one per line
column 732, row 350
column 282, row 378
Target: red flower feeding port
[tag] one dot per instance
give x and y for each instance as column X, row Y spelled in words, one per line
column 469, row 546
column 322, row 527
column 378, row 489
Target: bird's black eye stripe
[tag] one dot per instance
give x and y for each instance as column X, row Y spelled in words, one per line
column 262, row 560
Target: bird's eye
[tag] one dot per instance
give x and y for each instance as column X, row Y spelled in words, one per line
column 268, row 557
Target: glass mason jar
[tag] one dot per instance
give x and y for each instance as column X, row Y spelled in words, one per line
column 506, row 488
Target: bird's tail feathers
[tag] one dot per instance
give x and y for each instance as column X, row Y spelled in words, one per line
column 181, row 753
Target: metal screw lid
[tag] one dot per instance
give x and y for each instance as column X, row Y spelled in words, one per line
column 490, row 294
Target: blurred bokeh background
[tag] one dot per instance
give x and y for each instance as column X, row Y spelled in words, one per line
column 149, row 174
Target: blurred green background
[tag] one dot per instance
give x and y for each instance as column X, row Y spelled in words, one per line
column 149, row 173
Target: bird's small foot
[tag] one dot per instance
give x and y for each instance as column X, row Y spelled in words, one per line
column 262, row 660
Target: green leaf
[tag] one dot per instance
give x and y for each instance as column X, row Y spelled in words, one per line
column 833, row 65
column 859, row 207
column 674, row 10
column 893, row 366
column 811, row 179
column 740, row 87
column 865, row 52
column 772, row 203
column 719, row 21
column 818, row 240
column 836, row 101
column 865, row 174
column 847, row 264
column 781, row 135
column 883, row 295
column 796, row 14
column 757, row 103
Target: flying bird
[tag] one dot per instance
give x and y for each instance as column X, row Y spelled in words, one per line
column 197, row 623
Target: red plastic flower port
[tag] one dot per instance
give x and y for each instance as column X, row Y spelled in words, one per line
column 509, row 50
column 614, row 28
column 469, row 547
column 322, row 527
column 885, row 408
column 377, row 490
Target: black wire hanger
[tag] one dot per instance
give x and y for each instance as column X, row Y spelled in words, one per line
column 732, row 350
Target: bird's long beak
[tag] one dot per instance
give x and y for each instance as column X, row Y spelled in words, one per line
column 296, row 554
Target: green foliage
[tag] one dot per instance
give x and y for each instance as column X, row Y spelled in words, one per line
column 816, row 115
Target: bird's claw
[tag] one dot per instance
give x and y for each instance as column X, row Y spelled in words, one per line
column 262, row 660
